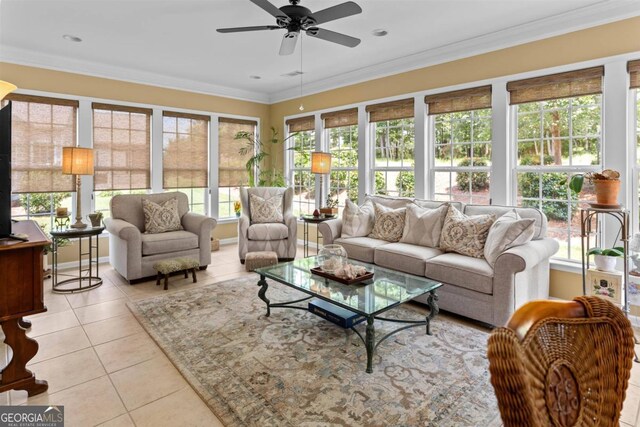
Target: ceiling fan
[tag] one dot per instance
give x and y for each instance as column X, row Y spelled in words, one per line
column 295, row 18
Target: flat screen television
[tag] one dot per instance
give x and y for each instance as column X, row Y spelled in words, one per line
column 5, row 171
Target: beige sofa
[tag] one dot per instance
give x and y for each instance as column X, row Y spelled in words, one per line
column 133, row 253
column 472, row 288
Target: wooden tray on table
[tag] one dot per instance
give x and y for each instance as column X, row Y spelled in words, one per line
column 366, row 276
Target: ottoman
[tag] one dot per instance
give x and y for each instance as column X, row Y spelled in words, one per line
column 168, row 266
column 259, row 259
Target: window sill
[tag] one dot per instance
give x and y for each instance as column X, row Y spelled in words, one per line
column 227, row 220
column 566, row 266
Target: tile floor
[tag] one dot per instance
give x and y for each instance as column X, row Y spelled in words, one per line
column 106, row 370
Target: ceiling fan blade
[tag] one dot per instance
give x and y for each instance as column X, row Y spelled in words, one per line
column 336, row 12
column 270, row 8
column 242, row 29
column 332, row 36
column 288, row 44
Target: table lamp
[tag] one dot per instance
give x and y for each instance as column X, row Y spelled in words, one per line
column 77, row 161
column 321, row 165
column 6, row 88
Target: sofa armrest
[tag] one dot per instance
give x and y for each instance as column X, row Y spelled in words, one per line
column 123, row 230
column 527, row 256
column 330, row 230
column 291, row 221
column 198, row 224
column 243, row 226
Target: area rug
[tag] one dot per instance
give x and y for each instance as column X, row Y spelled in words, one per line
column 297, row 369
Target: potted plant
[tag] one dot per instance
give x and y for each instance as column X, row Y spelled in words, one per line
column 236, row 208
column 257, row 176
column 332, row 205
column 606, row 259
column 606, row 184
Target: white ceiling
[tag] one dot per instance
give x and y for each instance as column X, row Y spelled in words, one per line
column 174, row 43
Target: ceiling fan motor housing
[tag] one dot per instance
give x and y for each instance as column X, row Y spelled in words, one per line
column 300, row 18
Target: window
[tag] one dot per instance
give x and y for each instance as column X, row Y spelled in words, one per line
column 341, row 132
column 234, row 135
column 41, row 127
column 302, row 143
column 393, row 127
column 634, row 78
column 462, row 144
column 558, row 128
column 122, row 152
column 185, row 157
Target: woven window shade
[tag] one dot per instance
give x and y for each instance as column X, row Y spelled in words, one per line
column 459, row 100
column 185, row 151
column 336, row 119
column 122, row 147
column 402, row 109
column 301, row 124
column 41, row 127
column 634, row 73
column 232, row 170
column 554, row 86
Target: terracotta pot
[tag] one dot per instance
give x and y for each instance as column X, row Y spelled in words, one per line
column 607, row 191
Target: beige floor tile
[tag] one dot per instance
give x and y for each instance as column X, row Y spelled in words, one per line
column 147, row 381
column 128, row 351
column 4, row 398
column 112, row 329
column 121, row 421
column 101, row 311
column 86, row 404
column 59, row 343
column 52, row 322
column 183, row 408
column 629, row 413
column 69, row 370
column 635, row 372
column 55, row 303
column 95, row 296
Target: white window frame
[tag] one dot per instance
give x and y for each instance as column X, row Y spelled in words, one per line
column 372, row 146
column 349, row 169
column 290, row 166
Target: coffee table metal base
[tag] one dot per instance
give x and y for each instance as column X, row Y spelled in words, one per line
column 369, row 339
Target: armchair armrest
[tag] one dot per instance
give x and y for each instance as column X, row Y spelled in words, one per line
column 527, row 256
column 291, row 222
column 330, row 230
column 123, row 230
column 198, row 224
column 243, row 225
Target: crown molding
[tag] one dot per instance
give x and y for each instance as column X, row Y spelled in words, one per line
column 26, row 57
column 589, row 16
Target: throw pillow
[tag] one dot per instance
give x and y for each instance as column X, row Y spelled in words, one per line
column 159, row 218
column 389, row 223
column 357, row 221
column 266, row 210
column 464, row 234
column 423, row 226
column 507, row 232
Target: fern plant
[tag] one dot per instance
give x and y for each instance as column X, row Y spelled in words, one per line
column 251, row 144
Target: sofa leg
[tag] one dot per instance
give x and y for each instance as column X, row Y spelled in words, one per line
column 242, row 261
column 193, row 273
column 166, row 282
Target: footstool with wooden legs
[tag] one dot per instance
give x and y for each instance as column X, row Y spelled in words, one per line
column 165, row 267
column 259, row 259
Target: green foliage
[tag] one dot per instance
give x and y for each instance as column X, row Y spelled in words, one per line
column 554, row 186
column 576, row 182
column 479, row 180
column 406, row 184
column 381, row 185
column 618, row 251
column 38, row 203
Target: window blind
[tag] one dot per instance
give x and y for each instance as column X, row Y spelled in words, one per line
column 562, row 85
column 122, row 147
column 232, row 171
column 336, row 119
column 185, row 150
column 459, row 100
column 634, row 73
column 41, row 127
column 301, row 124
column 394, row 110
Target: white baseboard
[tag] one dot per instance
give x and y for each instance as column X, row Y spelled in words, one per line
column 312, row 245
column 229, row 241
column 74, row 264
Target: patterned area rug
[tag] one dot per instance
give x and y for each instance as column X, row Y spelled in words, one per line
column 296, row 369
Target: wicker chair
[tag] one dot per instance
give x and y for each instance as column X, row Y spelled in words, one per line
column 562, row 364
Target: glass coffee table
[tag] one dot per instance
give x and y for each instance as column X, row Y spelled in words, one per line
column 386, row 290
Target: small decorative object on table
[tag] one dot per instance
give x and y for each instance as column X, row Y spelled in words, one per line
column 332, row 258
column 606, row 259
column 236, row 207
column 606, row 185
column 61, row 221
column 316, row 213
column 349, row 274
column 95, row 218
column 607, row 285
column 332, row 206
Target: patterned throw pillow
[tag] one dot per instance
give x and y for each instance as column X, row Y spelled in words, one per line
column 266, row 210
column 159, row 218
column 464, row 234
column 507, row 232
column 357, row 221
column 423, row 226
column 389, row 223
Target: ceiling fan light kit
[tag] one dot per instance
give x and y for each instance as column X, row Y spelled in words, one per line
column 295, row 18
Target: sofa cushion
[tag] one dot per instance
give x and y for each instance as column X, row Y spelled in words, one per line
column 423, row 226
column 128, row 207
column 389, row 223
column 405, row 257
column 171, row 241
column 389, row 201
column 357, row 221
column 360, row 248
column 466, row 272
column 273, row 231
column 465, row 234
column 507, row 232
column 536, row 214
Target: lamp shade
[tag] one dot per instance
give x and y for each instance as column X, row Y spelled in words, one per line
column 77, row 161
column 320, row 162
column 6, row 88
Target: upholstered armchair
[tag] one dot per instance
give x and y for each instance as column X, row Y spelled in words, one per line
column 132, row 253
column 279, row 237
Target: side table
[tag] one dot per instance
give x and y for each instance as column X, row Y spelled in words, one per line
column 310, row 219
column 87, row 278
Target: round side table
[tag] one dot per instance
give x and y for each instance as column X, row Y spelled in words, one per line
column 87, row 277
column 310, row 219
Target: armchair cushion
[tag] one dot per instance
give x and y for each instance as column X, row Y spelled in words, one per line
column 161, row 217
column 266, row 210
column 272, row 231
column 171, row 241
